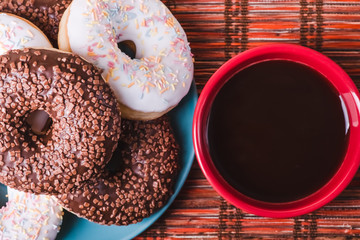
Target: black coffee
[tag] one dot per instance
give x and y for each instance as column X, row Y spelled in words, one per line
column 277, row 131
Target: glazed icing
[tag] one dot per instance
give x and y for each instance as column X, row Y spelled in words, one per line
column 26, row 216
column 162, row 72
column 29, row 216
column 16, row 34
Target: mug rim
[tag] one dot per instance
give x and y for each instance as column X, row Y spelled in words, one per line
column 334, row 74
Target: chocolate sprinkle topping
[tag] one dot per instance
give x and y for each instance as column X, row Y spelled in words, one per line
column 149, row 159
column 45, row 14
column 85, row 121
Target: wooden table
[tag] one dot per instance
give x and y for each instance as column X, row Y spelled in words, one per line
column 220, row 29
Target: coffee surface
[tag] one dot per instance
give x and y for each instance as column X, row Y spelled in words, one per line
column 277, row 131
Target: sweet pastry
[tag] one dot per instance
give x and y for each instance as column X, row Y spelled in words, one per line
column 59, row 126
column 18, row 33
column 26, row 216
column 162, row 71
column 44, row 14
column 85, row 121
column 29, row 216
column 144, row 169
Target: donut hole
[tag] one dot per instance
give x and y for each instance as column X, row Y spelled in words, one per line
column 115, row 164
column 128, row 47
column 39, row 122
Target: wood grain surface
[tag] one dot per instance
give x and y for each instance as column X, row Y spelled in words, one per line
column 217, row 31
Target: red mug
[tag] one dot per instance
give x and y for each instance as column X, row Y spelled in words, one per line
column 334, row 74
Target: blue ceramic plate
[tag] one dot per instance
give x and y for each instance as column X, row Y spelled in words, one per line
column 181, row 119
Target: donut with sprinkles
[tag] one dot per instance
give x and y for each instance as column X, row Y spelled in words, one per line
column 45, row 14
column 85, row 121
column 17, row 33
column 26, row 215
column 30, row 216
column 138, row 186
column 161, row 73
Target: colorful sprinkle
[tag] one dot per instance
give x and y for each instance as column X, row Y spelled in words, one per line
column 163, row 52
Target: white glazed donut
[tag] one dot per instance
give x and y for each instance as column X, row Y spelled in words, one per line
column 26, row 216
column 29, row 216
column 17, row 33
column 160, row 75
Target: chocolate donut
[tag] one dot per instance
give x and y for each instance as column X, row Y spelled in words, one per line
column 149, row 160
column 45, row 14
column 85, row 121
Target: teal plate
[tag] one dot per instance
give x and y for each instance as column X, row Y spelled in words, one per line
column 181, row 120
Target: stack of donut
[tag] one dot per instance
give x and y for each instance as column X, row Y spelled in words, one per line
column 85, row 127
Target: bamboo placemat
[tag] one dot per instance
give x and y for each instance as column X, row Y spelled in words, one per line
column 220, row 29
